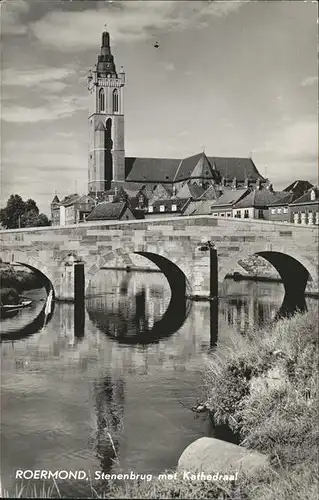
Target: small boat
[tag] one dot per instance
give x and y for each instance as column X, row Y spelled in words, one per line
column 9, row 309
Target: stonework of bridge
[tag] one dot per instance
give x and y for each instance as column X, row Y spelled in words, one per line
column 174, row 244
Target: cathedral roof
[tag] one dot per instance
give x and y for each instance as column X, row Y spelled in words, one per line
column 176, row 170
column 241, row 168
column 151, row 169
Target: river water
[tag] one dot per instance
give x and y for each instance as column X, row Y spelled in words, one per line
column 107, row 388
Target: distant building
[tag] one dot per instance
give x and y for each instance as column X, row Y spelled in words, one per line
column 73, row 209
column 256, row 204
column 305, row 210
column 223, row 206
column 166, row 208
column 279, row 210
column 111, row 211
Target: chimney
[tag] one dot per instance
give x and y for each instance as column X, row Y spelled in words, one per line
column 258, row 184
column 312, row 195
column 270, row 188
column 234, row 183
column 246, row 185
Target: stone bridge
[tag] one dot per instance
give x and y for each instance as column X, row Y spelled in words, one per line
column 175, row 245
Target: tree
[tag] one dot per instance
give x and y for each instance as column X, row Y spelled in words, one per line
column 19, row 213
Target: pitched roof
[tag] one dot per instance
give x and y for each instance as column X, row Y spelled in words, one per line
column 107, row 211
column 196, row 166
column 209, row 194
column 179, row 202
column 190, row 207
column 298, row 186
column 306, row 197
column 151, row 169
column 70, row 199
column 190, row 190
column 241, row 168
column 55, row 199
column 285, row 200
column 203, row 208
column 160, row 192
column 260, row 198
column 230, row 197
column 176, row 169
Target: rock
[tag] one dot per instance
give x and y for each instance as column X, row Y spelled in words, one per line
column 210, row 455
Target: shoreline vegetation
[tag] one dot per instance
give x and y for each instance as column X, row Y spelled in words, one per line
column 263, row 386
column 14, row 281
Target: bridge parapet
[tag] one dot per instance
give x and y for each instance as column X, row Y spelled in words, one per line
column 176, row 239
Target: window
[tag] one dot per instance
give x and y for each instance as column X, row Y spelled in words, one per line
column 285, row 210
column 215, row 214
column 238, row 214
column 102, row 100
column 228, row 214
column 174, row 208
column 162, row 208
column 260, row 214
column 273, row 210
column 222, row 214
column 246, row 214
column 150, row 208
column 115, row 101
column 278, row 210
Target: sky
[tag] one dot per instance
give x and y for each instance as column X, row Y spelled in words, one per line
column 232, row 78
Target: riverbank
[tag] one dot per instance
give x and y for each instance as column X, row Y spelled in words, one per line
column 263, row 386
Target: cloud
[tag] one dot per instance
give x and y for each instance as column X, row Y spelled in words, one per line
column 55, row 109
column 11, row 14
column 128, row 21
column 44, row 77
column 310, row 80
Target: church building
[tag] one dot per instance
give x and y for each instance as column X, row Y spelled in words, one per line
column 141, row 182
column 110, row 168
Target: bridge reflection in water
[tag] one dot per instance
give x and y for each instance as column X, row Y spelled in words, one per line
column 134, row 356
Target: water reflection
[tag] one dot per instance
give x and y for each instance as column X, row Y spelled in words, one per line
column 109, row 407
column 76, row 396
column 135, row 316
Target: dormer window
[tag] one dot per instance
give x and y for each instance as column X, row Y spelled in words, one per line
column 312, row 195
column 174, row 208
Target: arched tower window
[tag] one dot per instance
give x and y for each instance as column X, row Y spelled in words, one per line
column 102, row 100
column 115, row 101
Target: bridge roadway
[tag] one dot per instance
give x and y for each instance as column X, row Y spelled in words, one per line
column 174, row 244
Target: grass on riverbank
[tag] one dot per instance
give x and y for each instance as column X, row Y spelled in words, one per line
column 264, row 386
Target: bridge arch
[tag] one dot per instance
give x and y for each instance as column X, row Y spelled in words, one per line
column 172, row 270
column 178, row 307
column 294, row 270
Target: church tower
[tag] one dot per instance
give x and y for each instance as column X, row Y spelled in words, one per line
column 106, row 122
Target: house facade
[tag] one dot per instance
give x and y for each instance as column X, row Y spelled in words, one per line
column 305, row 210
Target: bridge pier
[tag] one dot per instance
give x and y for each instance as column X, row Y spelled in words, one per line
column 204, row 273
column 72, row 287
